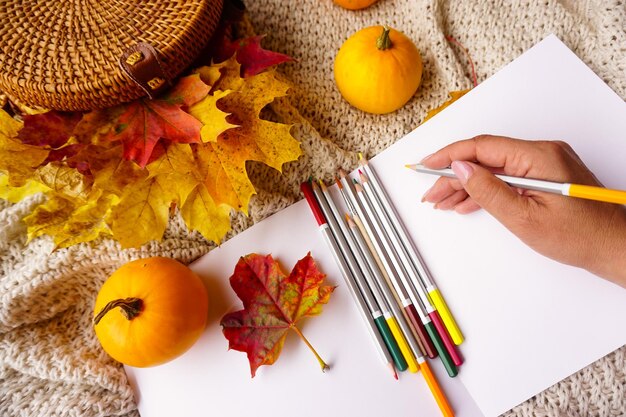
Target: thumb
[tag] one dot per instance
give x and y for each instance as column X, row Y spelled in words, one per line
column 489, row 192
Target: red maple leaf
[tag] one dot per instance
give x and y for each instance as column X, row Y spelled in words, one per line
column 144, row 122
column 254, row 59
column 250, row 54
column 51, row 129
column 273, row 303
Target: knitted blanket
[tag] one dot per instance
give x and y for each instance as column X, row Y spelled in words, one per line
column 51, row 364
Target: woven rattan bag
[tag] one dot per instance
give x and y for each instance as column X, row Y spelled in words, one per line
column 89, row 54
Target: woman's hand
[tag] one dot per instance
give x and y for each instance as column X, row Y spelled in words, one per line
column 583, row 233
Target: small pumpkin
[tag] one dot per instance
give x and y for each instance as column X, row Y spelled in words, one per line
column 354, row 4
column 150, row 311
column 378, row 69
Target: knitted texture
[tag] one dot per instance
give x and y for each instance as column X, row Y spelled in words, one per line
column 51, row 364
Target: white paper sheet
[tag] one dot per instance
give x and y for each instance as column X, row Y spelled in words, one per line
column 528, row 321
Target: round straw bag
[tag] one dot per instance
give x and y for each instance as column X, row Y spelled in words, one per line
column 89, row 54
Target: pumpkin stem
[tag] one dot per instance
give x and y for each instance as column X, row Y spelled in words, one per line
column 384, row 42
column 130, row 308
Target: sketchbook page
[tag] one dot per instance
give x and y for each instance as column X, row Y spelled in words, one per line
column 210, row 380
column 529, row 322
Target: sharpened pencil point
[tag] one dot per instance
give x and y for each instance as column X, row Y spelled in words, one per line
column 393, row 369
column 410, row 166
column 338, row 183
column 360, row 156
column 342, row 173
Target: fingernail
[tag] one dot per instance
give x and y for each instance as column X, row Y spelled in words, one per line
column 462, row 170
column 427, row 157
column 425, row 196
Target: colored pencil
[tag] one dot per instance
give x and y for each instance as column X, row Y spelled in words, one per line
column 348, row 193
column 362, row 277
column 398, row 275
column 423, row 275
column 437, row 332
column 588, row 192
column 435, row 389
column 326, row 233
column 398, row 308
column 400, row 283
column 405, row 301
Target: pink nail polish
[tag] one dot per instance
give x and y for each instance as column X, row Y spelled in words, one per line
column 462, row 170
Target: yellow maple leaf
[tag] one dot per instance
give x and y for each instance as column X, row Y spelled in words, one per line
column 188, row 175
column 177, row 168
column 142, row 212
column 69, row 221
column 254, row 139
column 211, row 116
column 87, row 222
column 9, row 127
column 202, row 214
column 63, row 180
column 49, row 217
column 209, row 74
column 112, row 174
column 454, row 96
column 15, row 194
column 17, row 160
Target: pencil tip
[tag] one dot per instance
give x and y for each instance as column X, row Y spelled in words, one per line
column 393, row 370
column 338, row 183
column 360, row 156
column 410, row 166
column 342, row 173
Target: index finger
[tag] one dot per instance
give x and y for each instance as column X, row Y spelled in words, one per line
column 487, row 150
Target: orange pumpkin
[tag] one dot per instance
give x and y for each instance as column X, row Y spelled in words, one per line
column 150, row 311
column 378, row 69
column 355, row 4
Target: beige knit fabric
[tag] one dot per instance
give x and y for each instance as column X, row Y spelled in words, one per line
column 50, row 361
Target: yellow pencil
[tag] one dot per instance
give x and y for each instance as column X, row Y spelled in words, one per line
column 588, row 192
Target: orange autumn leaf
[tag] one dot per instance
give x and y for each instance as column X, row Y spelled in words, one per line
column 273, row 303
column 254, row 139
column 180, row 165
column 188, row 91
column 454, row 96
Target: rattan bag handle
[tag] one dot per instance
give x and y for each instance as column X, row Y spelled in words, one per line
column 141, row 63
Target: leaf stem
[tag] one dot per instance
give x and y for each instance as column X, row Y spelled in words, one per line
column 319, row 358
